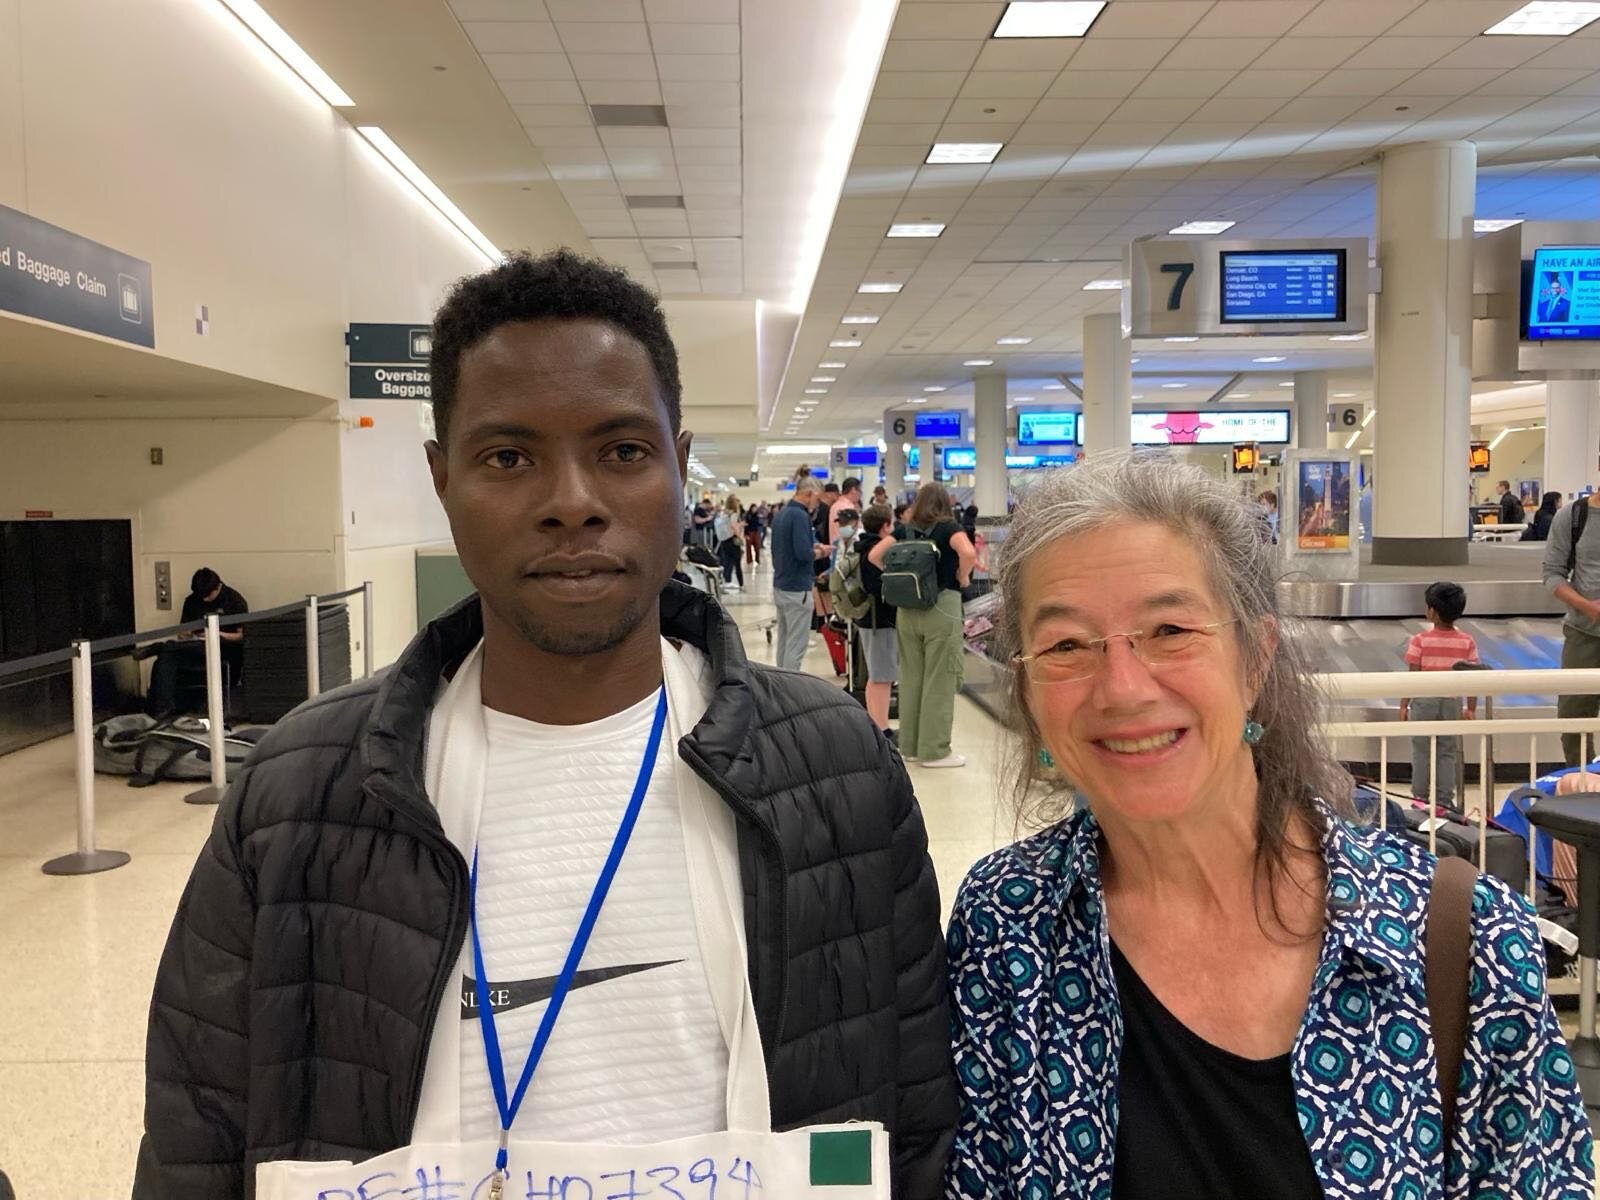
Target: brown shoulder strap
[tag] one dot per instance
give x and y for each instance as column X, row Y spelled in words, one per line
column 1449, row 955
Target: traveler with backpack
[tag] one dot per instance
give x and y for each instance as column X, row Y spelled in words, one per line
column 1202, row 977
column 729, row 526
column 877, row 624
column 1572, row 574
column 922, row 577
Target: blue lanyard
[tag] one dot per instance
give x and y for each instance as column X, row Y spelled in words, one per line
column 491, row 1037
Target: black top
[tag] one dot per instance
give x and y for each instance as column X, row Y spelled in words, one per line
column 1538, row 529
column 228, row 603
column 949, row 562
column 1511, row 510
column 1197, row 1121
column 882, row 615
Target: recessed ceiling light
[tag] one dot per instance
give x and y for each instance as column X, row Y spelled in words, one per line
column 978, row 362
column 1138, row 395
column 913, row 229
column 1103, row 285
column 1023, row 400
column 963, row 152
column 1548, row 18
column 1348, row 337
column 1133, row 360
column 1287, row 383
column 1238, row 395
column 1495, row 225
column 816, row 391
column 1048, row 18
column 859, row 319
column 809, row 403
column 886, row 288
column 934, row 388
column 1180, row 339
column 1172, row 385
column 1055, row 387
column 1344, row 395
column 917, row 400
column 1269, row 358
column 844, row 344
column 1012, row 341
column 824, row 379
column 831, row 366
column 1201, row 228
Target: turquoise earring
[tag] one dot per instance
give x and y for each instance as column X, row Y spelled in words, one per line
column 1254, row 731
column 1046, row 761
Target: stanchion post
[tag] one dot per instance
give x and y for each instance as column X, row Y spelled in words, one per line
column 86, row 859
column 366, row 629
column 313, row 651
column 215, row 717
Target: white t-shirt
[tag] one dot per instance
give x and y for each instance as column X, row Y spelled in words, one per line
column 637, row 1054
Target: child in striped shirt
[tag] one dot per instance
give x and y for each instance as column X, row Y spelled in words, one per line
column 1439, row 649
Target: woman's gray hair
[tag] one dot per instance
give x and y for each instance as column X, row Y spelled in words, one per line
column 1233, row 540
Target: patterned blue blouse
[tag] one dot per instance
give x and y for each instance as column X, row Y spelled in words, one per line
column 1038, row 1035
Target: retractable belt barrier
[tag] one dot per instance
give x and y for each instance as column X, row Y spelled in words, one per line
column 88, row 858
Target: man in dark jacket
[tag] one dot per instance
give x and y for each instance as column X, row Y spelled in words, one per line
column 315, row 952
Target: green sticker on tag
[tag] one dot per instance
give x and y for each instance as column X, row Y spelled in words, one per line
column 841, row 1158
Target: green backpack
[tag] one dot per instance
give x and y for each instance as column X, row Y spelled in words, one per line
column 911, row 571
column 849, row 591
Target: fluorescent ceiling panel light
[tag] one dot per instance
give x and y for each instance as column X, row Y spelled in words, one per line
column 1348, row 337
column 831, row 366
column 859, row 319
column 1138, row 395
column 1202, row 228
column 1180, row 339
column 978, row 362
column 1495, row 225
column 934, row 388
column 1547, row 18
column 1172, row 385
column 396, row 157
column 1023, row 400
column 800, row 448
column 1269, row 358
column 1238, row 395
column 1103, row 285
column 1343, row 395
column 844, row 344
column 1048, row 18
column 964, row 152
column 917, row 400
column 1133, row 360
column 913, row 229
column 824, row 379
column 285, row 47
column 816, row 391
column 887, row 289
column 1055, row 387
column 1287, row 383
column 1012, row 341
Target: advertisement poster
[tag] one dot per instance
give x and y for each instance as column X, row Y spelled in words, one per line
column 1324, row 506
column 1564, row 299
column 1528, row 492
column 1214, row 427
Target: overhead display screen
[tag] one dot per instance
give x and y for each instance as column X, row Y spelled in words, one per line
column 937, row 425
column 1262, row 286
column 1046, row 428
column 960, row 458
column 1564, row 294
column 861, row 456
column 1215, row 427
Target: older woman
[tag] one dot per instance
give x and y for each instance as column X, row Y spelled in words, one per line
column 1202, row 981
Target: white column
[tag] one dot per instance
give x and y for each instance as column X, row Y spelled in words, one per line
column 989, row 436
column 894, row 455
column 1107, row 385
column 927, row 462
column 1571, row 436
column 1423, row 354
column 1311, row 410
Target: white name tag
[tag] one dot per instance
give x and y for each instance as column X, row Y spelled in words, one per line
column 825, row 1162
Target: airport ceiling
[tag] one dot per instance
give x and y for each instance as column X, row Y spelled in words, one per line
column 701, row 144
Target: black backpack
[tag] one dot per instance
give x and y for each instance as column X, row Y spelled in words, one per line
column 911, row 571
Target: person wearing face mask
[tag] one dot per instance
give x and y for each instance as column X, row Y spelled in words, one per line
column 1202, row 978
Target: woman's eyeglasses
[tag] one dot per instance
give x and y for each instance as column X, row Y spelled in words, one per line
column 1073, row 659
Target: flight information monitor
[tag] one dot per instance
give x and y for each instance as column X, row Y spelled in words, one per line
column 1046, row 428
column 960, row 458
column 1262, row 286
column 1563, row 300
column 861, row 456
column 937, row 426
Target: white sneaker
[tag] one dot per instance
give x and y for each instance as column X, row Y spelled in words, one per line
column 949, row 760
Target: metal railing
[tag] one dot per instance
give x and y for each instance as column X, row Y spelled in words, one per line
column 88, row 857
column 1464, row 684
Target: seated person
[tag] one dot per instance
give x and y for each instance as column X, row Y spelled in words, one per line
column 207, row 595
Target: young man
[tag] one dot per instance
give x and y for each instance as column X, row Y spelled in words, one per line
column 849, row 500
column 1510, row 505
column 401, row 868
column 207, row 595
column 795, row 551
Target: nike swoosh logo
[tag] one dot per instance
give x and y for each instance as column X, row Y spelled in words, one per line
column 519, row 993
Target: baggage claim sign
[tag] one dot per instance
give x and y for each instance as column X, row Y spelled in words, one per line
column 390, row 362
column 57, row 276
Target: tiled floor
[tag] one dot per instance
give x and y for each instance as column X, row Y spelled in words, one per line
column 78, row 955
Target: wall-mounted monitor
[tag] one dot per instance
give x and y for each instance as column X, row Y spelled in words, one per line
column 1035, row 462
column 1211, row 427
column 1041, row 428
column 937, row 426
column 960, row 458
column 861, row 456
column 1562, row 296
column 1293, row 286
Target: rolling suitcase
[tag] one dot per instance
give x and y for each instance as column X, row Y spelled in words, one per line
column 836, row 646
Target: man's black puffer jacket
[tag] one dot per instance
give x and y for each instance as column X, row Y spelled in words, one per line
column 314, row 941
